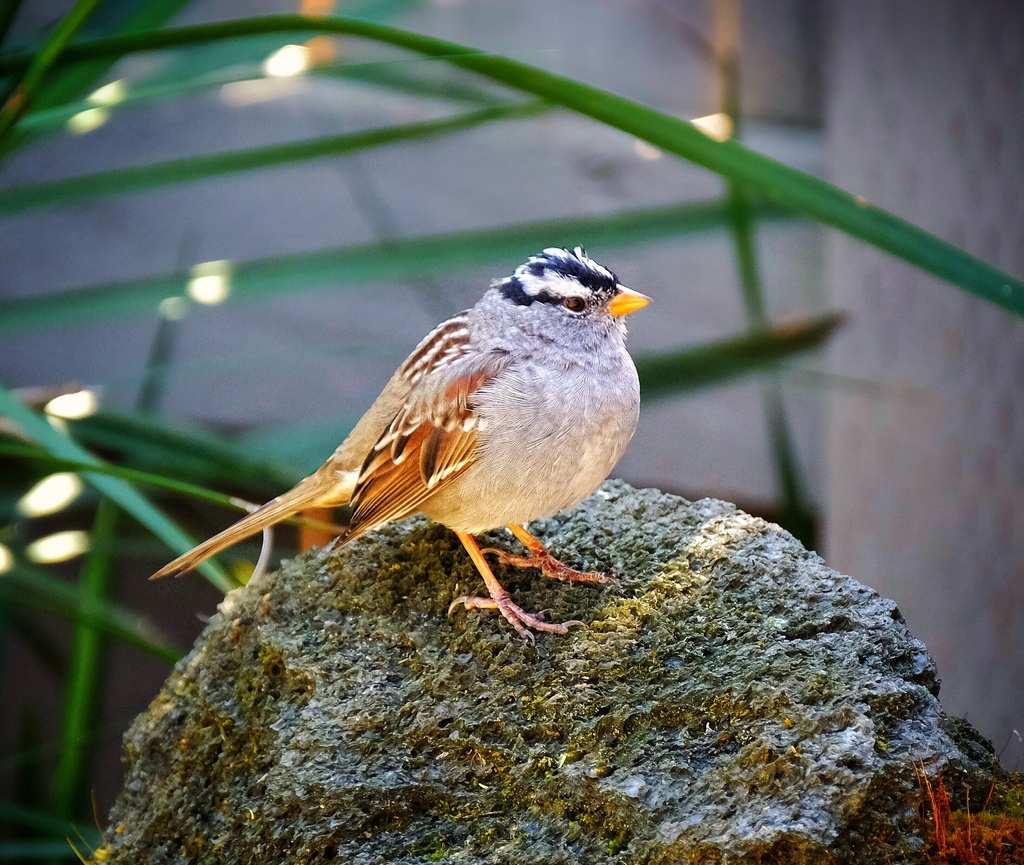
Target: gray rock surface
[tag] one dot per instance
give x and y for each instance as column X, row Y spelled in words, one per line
column 734, row 701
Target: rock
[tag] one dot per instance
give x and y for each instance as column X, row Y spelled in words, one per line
column 734, row 701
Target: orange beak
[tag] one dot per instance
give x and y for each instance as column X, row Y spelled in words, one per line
column 627, row 301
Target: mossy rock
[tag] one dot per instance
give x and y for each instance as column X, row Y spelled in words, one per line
column 734, row 701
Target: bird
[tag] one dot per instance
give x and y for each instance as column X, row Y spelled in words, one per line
column 512, row 410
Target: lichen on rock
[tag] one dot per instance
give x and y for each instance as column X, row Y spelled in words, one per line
column 734, row 701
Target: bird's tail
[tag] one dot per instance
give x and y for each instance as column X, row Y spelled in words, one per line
column 320, row 489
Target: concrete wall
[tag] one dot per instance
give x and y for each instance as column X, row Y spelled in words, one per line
column 925, row 456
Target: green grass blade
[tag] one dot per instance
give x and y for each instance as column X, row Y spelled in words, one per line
column 741, row 222
column 37, row 639
column 94, row 303
column 43, row 821
column 203, row 458
column 69, row 83
column 673, row 372
column 787, row 186
column 352, row 266
column 30, row 851
column 41, row 120
column 125, row 180
column 57, row 443
column 415, row 78
column 390, row 75
column 64, row 84
column 85, row 667
column 304, row 444
column 33, row 588
column 109, row 48
column 46, row 57
column 27, row 757
column 797, row 516
column 134, row 476
column 8, row 9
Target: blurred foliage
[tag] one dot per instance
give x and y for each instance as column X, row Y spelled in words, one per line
column 125, row 457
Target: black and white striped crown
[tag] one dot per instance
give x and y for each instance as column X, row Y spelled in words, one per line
column 555, row 273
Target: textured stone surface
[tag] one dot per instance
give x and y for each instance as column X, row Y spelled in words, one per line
column 734, row 701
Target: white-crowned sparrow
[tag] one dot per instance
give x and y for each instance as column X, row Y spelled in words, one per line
column 514, row 409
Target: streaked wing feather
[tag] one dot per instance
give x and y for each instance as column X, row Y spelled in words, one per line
column 386, row 502
column 393, row 489
column 427, row 445
column 445, row 454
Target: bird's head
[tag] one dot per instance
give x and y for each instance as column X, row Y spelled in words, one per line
column 571, row 285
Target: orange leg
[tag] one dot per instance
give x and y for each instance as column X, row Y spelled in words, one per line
column 548, row 565
column 316, row 535
column 499, row 599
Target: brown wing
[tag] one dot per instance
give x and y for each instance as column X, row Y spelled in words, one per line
column 428, row 444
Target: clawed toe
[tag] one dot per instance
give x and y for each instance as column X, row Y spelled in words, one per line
column 525, row 623
column 551, row 567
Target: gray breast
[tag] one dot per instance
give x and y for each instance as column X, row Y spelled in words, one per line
column 548, row 437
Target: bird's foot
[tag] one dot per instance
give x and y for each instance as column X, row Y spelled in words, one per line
column 548, row 565
column 521, row 620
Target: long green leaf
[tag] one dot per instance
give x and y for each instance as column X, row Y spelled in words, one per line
column 304, row 444
column 741, row 223
column 40, row 430
column 134, row 476
column 41, row 458
column 390, row 75
column 124, row 180
column 787, row 186
column 34, row 589
column 669, row 373
column 182, row 452
column 67, row 83
column 797, row 515
column 416, row 78
column 44, row 58
column 29, row 851
column 352, row 266
column 84, row 681
column 43, row 821
column 27, row 630
column 8, row 10
column 47, row 119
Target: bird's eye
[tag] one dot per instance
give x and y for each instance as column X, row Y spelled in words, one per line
column 575, row 304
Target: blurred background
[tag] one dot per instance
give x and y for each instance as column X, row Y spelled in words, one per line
column 195, row 297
